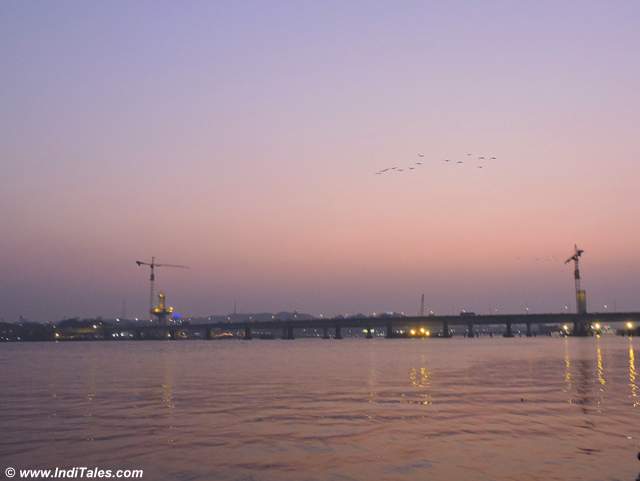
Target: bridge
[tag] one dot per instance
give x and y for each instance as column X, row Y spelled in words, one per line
column 577, row 325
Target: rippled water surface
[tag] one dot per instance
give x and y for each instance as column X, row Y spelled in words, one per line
column 481, row 409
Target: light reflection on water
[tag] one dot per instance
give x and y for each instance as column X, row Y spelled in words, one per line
column 487, row 409
column 633, row 383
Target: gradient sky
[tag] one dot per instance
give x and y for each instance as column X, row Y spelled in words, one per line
column 241, row 138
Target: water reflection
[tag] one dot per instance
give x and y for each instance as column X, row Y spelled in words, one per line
column 567, row 368
column 373, row 378
column 633, row 384
column 167, row 385
column 298, row 406
column 600, row 365
column 420, row 378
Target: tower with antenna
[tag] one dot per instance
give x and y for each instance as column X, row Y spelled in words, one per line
column 421, row 312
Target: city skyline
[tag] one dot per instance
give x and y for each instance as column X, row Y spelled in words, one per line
column 243, row 141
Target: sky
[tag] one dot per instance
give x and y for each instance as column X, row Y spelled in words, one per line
column 242, row 139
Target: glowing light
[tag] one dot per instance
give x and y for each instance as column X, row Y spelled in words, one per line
column 597, row 325
column 629, row 325
column 566, row 328
column 412, row 332
column 422, row 330
column 95, row 327
column 428, row 333
column 57, row 334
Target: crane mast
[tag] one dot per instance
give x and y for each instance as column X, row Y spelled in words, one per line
column 581, row 295
column 152, row 275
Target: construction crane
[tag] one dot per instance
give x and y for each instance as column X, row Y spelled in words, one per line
column 152, row 277
column 581, row 297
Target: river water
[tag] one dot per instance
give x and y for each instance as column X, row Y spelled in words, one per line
column 352, row 409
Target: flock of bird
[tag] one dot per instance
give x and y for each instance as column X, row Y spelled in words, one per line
column 415, row 165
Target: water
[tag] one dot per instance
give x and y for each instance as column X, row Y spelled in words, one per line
column 355, row 409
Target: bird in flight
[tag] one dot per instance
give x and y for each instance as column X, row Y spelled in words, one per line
column 459, row 162
column 420, row 155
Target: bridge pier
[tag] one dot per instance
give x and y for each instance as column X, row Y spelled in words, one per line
column 325, row 333
column 508, row 332
column 581, row 328
column 446, row 332
column 529, row 334
column 389, row 331
column 338, row 332
column 247, row 333
column 470, row 332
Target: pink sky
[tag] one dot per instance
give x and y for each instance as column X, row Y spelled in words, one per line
column 243, row 141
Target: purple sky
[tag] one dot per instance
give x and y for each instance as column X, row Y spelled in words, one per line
column 241, row 138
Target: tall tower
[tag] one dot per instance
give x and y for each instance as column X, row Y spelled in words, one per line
column 581, row 295
column 421, row 313
column 580, row 326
